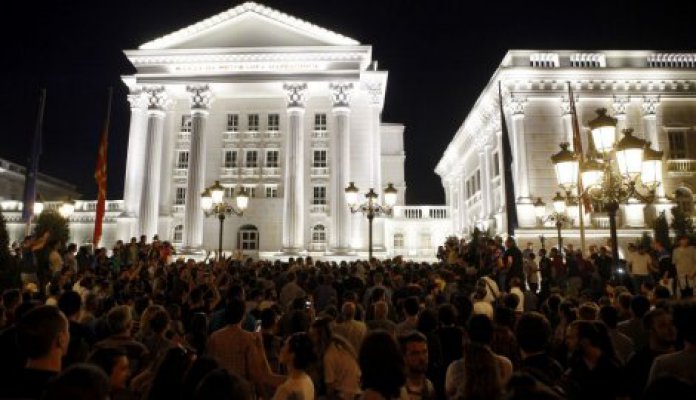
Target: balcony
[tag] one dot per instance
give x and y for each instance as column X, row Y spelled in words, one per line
column 320, row 171
column 252, row 135
column 271, row 135
column 230, row 136
column 229, row 172
column 251, row 171
column 178, row 209
column 180, row 173
column 420, row 212
column 271, row 171
column 318, row 209
column 681, row 167
column 184, row 136
column 320, row 134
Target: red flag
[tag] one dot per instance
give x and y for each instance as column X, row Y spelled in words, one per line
column 100, row 177
column 577, row 148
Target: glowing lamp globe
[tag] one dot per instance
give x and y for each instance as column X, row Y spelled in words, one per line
column 629, row 155
column 352, row 194
column 651, row 173
column 242, row 200
column 390, row 195
column 565, row 163
column 559, row 203
column 591, row 173
column 206, row 200
column 539, row 208
column 217, row 192
column 603, row 131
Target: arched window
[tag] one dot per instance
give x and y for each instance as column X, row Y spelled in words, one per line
column 248, row 238
column 398, row 240
column 684, row 199
column 178, row 234
column 318, row 234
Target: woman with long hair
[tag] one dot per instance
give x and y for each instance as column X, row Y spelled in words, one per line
column 167, row 382
column 338, row 367
column 297, row 355
column 481, row 375
column 382, row 365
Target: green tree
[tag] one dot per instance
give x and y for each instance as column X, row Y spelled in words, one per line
column 682, row 224
column 661, row 230
column 53, row 222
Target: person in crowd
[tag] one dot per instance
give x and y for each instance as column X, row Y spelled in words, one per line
column 533, row 332
column 667, row 273
column 623, row 345
column 79, row 382
column 351, row 329
column 220, row 384
column 297, row 355
column 414, row 347
column 120, row 323
column 290, row 291
column 338, row 366
column 43, row 335
column 662, row 337
column 380, row 318
column 680, row 364
column 81, row 337
column 382, row 366
column 634, row 328
column 684, row 258
column 411, row 309
column 114, row 362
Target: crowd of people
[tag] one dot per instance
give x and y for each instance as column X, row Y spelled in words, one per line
column 488, row 321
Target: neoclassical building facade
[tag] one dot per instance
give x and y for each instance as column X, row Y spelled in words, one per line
column 652, row 92
column 260, row 100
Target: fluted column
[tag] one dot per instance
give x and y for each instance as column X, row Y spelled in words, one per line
column 567, row 121
column 463, row 221
column 525, row 208
column 340, row 167
column 149, row 201
column 294, row 181
column 650, row 105
column 375, row 91
column 193, row 212
column 135, row 160
column 486, row 178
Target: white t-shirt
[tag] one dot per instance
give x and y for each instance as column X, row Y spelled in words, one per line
column 342, row 371
column 639, row 263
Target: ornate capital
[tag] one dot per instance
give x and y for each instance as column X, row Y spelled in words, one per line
column 650, row 104
column 156, row 98
column 340, row 94
column 517, row 104
column 135, row 98
column 201, row 97
column 620, row 103
column 296, row 94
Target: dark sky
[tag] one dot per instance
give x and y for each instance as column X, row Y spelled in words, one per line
column 439, row 53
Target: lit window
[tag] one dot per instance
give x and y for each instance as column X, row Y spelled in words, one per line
column 398, row 240
column 248, row 237
column 178, row 233
column 677, row 145
column 425, row 241
column 186, row 123
column 230, row 159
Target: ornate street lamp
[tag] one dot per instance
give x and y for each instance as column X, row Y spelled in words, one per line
column 605, row 183
column 371, row 208
column 214, row 205
column 558, row 215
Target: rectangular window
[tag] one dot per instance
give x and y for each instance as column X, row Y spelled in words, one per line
column 180, row 198
column 230, row 159
column 233, row 122
column 478, row 180
column 468, row 189
column 229, row 192
column 319, row 159
column 399, row 240
column 677, row 145
column 319, row 122
column 186, row 123
column 272, row 159
column 253, row 122
column 251, row 190
column 271, row 191
column 496, row 164
column 252, row 159
column 249, row 239
column 319, row 197
column 425, row 242
column 273, row 122
column 182, row 159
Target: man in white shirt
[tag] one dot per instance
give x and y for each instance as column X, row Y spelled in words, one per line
column 684, row 259
column 640, row 265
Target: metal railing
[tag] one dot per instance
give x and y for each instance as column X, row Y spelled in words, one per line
column 420, row 212
column 681, row 167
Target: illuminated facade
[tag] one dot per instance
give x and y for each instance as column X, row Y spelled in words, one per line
column 653, row 93
column 289, row 111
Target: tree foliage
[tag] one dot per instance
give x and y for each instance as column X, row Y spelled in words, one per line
column 53, row 222
column 682, row 224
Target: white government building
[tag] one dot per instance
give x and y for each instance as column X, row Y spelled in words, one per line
column 289, row 111
column 652, row 92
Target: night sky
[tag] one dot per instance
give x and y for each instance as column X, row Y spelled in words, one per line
column 439, row 54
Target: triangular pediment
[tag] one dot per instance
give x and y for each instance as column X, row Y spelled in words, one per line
column 249, row 25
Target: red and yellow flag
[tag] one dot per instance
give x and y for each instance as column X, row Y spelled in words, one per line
column 100, row 177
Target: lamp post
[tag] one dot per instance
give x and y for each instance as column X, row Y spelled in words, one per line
column 612, row 172
column 558, row 216
column 214, row 205
column 371, row 208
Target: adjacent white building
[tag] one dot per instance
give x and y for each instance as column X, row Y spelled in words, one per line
column 652, row 92
column 289, row 111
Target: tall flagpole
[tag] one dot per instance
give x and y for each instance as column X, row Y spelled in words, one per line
column 577, row 148
column 33, row 168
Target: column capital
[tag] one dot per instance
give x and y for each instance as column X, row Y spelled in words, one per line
column 157, row 100
column 200, row 97
column 650, row 104
column 136, row 98
column 619, row 105
column 296, row 94
column 340, row 94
